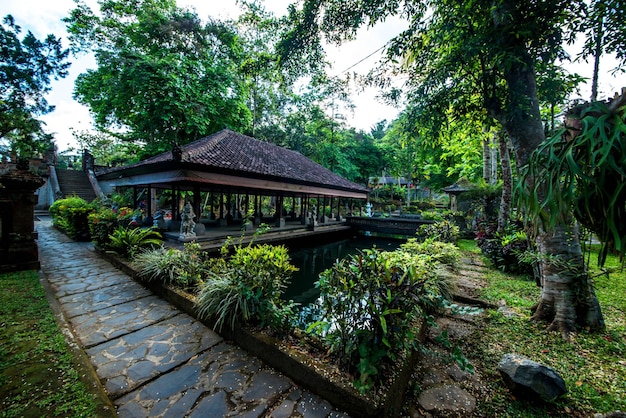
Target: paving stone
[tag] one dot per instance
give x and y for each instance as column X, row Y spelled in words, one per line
column 78, row 304
column 182, row 336
column 69, row 283
column 265, row 385
column 447, row 399
column 105, row 324
column 311, row 406
column 214, row 405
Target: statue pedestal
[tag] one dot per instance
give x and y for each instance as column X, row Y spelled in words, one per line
column 18, row 246
column 187, row 237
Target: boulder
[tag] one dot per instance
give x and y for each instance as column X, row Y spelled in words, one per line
column 530, row 379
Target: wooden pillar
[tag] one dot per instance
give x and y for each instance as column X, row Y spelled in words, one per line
column 175, row 203
column 150, row 202
column 280, row 221
column 196, row 203
column 221, row 205
column 228, row 206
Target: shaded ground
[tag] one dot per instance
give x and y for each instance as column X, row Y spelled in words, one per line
column 38, row 373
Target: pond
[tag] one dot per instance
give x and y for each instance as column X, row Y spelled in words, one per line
column 311, row 261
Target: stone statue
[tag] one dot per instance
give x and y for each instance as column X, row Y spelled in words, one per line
column 187, row 225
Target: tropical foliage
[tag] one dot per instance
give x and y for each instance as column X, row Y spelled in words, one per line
column 247, row 289
column 127, row 242
column 71, row 216
column 28, row 67
column 370, row 308
column 185, row 269
column 583, row 165
column 105, row 220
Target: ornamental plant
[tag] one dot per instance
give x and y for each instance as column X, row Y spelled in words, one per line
column 247, row 289
column 442, row 252
column 70, row 216
column 371, row 305
column 184, row 268
column 104, row 221
column 443, row 230
column 127, row 242
column 508, row 251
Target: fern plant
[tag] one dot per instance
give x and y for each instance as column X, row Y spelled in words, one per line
column 127, row 242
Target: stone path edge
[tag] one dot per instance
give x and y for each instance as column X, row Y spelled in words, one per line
column 344, row 397
column 84, row 367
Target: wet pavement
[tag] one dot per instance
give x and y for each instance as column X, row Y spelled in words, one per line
column 153, row 360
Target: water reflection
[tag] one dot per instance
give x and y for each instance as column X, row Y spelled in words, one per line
column 313, row 260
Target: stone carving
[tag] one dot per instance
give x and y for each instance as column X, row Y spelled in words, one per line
column 187, row 226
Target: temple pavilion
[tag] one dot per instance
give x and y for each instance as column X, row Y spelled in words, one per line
column 227, row 175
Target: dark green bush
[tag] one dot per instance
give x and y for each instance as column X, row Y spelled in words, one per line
column 70, row 216
column 371, row 305
column 444, row 231
column 508, row 251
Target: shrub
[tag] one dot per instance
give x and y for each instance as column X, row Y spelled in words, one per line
column 185, row 269
column 444, row 231
column 247, row 289
column 370, row 304
column 70, row 215
column 127, row 242
column 105, row 221
column 441, row 252
column 432, row 215
column 507, row 252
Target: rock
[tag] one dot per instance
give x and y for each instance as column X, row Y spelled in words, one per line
column 614, row 414
column 448, row 398
column 530, row 379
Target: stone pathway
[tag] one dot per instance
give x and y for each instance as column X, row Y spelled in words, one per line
column 152, row 359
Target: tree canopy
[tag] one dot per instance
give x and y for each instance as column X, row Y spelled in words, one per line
column 163, row 76
column 27, row 66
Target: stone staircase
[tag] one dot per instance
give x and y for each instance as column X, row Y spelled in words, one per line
column 75, row 183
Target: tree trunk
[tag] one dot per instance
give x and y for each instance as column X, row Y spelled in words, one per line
column 597, row 53
column 507, row 182
column 522, row 121
column 487, row 160
column 567, row 296
column 494, row 159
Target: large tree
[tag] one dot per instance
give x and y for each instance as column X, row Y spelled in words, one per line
column 163, row 76
column 498, row 46
column 27, row 67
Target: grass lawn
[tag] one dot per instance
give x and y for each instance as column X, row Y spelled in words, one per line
column 593, row 364
column 38, row 376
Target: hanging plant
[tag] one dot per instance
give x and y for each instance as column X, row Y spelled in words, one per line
column 583, row 167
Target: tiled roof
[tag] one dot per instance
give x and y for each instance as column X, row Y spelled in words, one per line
column 234, row 152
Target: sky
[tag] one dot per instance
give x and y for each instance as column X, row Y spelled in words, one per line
column 43, row 17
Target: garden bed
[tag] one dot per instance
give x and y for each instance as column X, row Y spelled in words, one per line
column 294, row 357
